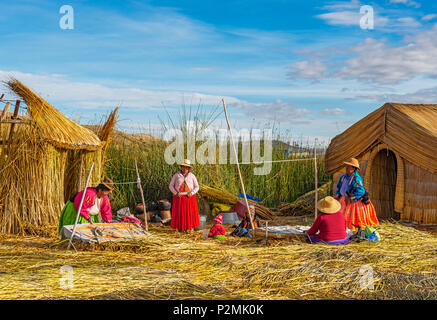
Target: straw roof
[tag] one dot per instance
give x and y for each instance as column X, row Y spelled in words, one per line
column 408, row 129
column 52, row 125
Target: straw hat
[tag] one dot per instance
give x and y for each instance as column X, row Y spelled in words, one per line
column 328, row 205
column 186, row 163
column 353, row 162
column 108, row 183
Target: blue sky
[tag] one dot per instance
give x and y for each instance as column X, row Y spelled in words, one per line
column 305, row 65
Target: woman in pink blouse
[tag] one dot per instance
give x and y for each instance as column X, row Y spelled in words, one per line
column 184, row 186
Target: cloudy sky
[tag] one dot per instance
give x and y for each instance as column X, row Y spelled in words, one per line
column 307, row 66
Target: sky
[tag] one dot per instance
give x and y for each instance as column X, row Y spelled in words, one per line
column 310, row 68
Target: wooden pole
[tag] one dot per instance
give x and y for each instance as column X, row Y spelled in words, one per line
column 80, row 171
column 316, row 195
column 11, row 132
column 5, row 110
column 140, row 187
column 80, row 206
column 238, row 167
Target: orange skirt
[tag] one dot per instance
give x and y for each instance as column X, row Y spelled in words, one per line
column 358, row 214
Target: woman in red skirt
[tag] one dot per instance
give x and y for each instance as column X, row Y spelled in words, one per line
column 355, row 205
column 184, row 186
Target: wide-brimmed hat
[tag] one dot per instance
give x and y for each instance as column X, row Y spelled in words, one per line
column 219, row 218
column 108, row 183
column 328, row 205
column 186, row 163
column 353, row 162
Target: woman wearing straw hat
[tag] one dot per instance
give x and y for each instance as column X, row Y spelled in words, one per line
column 184, row 186
column 330, row 224
column 96, row 206
column 355, row 204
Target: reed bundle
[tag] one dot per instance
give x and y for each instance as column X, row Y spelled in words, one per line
column 305, row 204
column 228, row 198
column 171, row 265
column 40, row 168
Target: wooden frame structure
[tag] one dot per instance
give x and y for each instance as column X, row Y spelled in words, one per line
column 13, row 121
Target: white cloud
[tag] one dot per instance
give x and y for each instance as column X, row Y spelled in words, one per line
column 334, row 112
column 276, row 110
column 429, row 17
column 407, row 2
column 308, row 70
column 84, row 95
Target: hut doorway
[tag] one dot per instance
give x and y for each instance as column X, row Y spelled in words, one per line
column 383, row 184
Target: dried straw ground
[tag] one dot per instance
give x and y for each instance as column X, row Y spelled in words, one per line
column 173, row 266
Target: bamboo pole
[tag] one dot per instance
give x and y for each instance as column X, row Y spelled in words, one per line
column 316, row 194
column 80, row 206
column 238, row 167
column 140, row 187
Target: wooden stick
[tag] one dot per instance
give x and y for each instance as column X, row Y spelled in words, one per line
column 80, row 171
column 1, row 97
column 238, row 167
column 11, row 132
column 5, row 110
column 80, row 206
column 140, row 187
column 267, row 232
column 316, row 194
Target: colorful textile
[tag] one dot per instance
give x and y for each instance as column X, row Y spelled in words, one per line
column 130, row 219
column 371, row 234
column 68, row 216
column 217, row 230
column 220, row 237
column 104, row 232
column 178, row 179
column 355, row 187
column 217, row 207
column 359, row 214
column 184, row 211
column 89, row 201
column 315, row 239
column 331, row 227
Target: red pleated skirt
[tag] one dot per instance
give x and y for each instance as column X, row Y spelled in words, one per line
column 184, row 213
column 359, row 214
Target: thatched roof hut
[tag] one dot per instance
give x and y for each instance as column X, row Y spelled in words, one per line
column 396, row 146
column 45, row 164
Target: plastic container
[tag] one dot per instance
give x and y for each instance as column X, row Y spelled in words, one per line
column 230, row 217
column 202, row 220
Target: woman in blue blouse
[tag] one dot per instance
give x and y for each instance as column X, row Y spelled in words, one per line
column 355, row 203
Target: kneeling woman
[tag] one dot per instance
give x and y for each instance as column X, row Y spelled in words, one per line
column 95, row 208
column 355, row 205
column 330, row 226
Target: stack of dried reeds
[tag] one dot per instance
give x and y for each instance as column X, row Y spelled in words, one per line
column 227, row 197
column 40, row 168
column 304, row 205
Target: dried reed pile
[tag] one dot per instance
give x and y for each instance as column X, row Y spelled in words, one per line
column 305, row 204
column 39, row 167
column 227, row 197
column 179, row 266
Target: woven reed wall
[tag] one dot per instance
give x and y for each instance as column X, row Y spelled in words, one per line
column 420, row 195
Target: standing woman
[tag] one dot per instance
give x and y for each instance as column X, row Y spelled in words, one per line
column 184, row 186
column 355, row 203
column 96, row 206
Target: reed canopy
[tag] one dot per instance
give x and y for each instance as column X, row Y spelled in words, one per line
column 45, row 163
column 396, row 146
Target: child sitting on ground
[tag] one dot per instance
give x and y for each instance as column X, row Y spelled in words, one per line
column 218, row 231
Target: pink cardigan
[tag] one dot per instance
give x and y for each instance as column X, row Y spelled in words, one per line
column 190, row 180
column 89, row 201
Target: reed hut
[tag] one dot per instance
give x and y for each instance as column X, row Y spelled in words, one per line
column 396, row 146
column 45, row 163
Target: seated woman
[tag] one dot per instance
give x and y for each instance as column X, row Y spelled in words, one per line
column 245, row 227
column 96, row 206
column 330, row 225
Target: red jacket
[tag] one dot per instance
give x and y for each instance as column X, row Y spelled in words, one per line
column 330, row 226
column 217, row 230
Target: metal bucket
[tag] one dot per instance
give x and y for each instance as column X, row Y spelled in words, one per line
column 202, row 220
column 230, row 217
